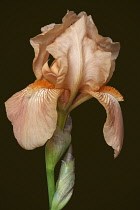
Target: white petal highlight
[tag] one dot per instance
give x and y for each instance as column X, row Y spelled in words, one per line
column 113, row 127
column 33, row 114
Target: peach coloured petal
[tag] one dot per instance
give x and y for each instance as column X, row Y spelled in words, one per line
column 41, row 41
column 92, row 31
column 97, row 64
column 50, row 74
column 54, row 73
column 68, row 49
column 110, row 90
column 113, row 127
column 86, row 58
column 104, row 44
column 33, row 115
column 48, row 27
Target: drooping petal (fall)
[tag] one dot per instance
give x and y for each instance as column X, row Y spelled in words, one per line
column 33, row 114
column 41, row 41
column 113, row 127
column 68, row 47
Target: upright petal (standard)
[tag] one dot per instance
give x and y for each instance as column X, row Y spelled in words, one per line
column 41, row 41
column 68, row 47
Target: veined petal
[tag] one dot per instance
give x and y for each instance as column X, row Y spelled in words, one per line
column 41, row 41
column 68, row 47
column 33, row 114
column 92, row 30
column 104, row 44
column 113, row 127
column 112, row 91
column 97, row 64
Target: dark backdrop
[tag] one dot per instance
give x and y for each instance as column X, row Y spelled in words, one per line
column 101, row 181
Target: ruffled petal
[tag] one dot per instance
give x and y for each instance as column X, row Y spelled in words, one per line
column 106, row 44
column 103, row 43
column 41, row 41
column 33, row 114
column 97, row 64
column 68, row 49
column 100, row 55
column 92, row 31
column 113, row 127
column 47, row 27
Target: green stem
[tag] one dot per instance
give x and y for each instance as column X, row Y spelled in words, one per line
column 50, row 170
column 61, row 120
column 51, row 184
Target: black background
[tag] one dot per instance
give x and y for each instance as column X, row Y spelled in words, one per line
column 101, row 181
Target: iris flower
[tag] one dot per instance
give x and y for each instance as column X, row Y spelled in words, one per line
column 84, row 62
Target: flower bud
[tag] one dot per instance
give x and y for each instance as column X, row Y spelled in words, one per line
column 65, row 183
